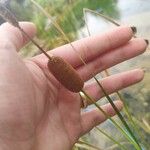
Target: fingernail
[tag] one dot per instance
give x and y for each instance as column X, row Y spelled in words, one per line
column 147, row 41
column 134, row 30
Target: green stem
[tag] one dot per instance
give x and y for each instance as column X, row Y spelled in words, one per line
column 107, row 116
column 107, row 96
column 57, row 26
column 106, row 72
column 118, row 113
column 90, row 145
column 125, row 106
column 116, row 146
column 109, row 137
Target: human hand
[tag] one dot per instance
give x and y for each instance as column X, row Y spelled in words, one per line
column 36, row 111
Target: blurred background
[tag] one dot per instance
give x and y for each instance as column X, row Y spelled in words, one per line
column 69, row 15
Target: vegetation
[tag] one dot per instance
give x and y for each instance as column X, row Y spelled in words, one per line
column 68, row 14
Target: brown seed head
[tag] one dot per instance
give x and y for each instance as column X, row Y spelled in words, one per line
column 65, row 74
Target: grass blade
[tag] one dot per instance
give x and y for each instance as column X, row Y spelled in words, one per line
column 108, row 97
column 118, row 113
column 107, row 116
column 89, row 145
column 106, row 71
column 109, row 137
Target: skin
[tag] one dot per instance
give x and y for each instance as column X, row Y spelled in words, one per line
column 36, row 112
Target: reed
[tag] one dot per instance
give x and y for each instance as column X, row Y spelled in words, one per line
column 88, row 145
column 130, row 139
column 134, row 125
column 119, row 95
column 112, row 139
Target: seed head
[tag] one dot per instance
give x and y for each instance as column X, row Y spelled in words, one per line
column 65, row 74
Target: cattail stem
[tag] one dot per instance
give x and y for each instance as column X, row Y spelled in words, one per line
column 34, row 42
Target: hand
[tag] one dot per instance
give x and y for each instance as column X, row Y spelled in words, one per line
column 36, row 112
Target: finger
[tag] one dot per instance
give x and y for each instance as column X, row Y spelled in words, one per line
column 91, row 47
column 95, row 117
column 10, row 35
column 131, row 49
column 114, row 83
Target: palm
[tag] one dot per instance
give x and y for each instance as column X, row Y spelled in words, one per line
column 42, row 109
column 60, row 109
column 38, row 111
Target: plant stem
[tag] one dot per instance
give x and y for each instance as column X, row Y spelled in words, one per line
column 116, row 146
column 119, row 95
column 57, row 26
column 118, row 113
column 107, row 116
column 121, row 146
column 39, row 47
column 90, row 145
column 106, row 71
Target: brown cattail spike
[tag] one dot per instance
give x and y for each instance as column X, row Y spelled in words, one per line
column 65, row 74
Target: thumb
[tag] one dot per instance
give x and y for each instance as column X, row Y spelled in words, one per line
column 10, row 35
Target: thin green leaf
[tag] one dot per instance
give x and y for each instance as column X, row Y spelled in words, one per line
column 112, row 139
column 130, row 139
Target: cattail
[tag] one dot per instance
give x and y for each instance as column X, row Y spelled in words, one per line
column 61, row 70
column 65, row 74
